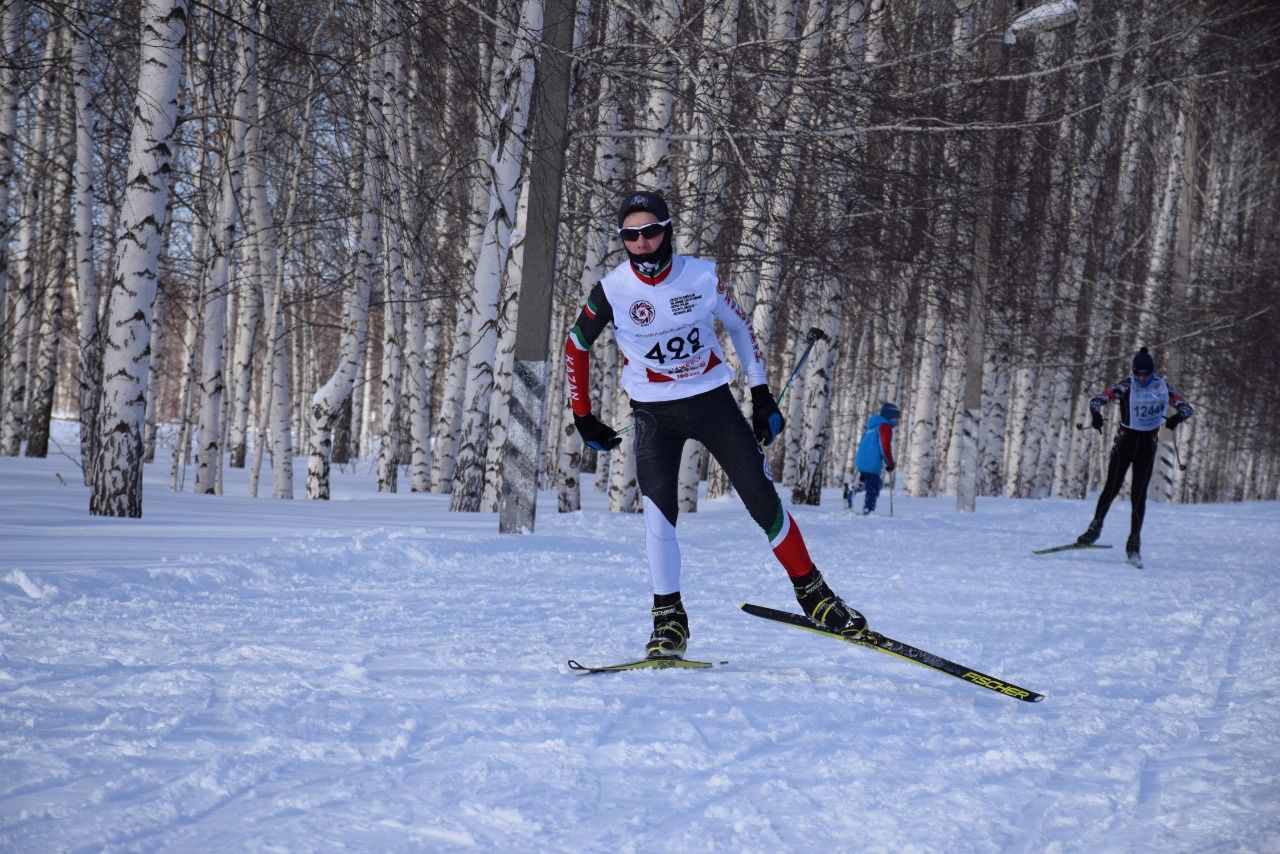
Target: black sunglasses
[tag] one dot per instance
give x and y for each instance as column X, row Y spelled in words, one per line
column 648, row 232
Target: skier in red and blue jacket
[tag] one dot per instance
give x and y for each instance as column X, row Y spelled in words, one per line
column 875, row 453
column 663, row 308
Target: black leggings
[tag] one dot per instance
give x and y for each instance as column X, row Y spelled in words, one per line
column 1136, row 448
column 714, row 419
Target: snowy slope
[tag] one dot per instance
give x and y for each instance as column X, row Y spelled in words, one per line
column 375, row 673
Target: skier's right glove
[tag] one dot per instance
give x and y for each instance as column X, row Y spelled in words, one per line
column 890, row 466
column 597, row 435
column 1097, row 421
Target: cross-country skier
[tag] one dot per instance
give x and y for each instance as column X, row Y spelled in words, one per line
column 663, row 307
column 1144, row 398
column 875, row 452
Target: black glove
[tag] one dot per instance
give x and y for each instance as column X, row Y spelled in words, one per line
column 600, row 436
column 1097, row 421
column 890, row 466
column 766, row 420
column 1174, row 420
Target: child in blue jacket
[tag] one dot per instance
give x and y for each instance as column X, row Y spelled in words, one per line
column 875, row 452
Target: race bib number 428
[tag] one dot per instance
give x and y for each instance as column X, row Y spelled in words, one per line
column 676, row 348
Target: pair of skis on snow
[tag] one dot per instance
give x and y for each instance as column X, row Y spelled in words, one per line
column 1134, row 560
column 870, row 640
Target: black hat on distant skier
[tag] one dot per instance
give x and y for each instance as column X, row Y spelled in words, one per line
column 1142, row 361
column 643, row 200
column 890, row 411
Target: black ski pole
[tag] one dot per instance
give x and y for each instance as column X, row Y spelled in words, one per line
column 813, row 336
column 1178, row 457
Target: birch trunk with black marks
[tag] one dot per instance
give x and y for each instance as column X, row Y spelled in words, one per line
column 116, row 489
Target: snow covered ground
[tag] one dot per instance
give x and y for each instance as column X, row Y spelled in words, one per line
column 375, row 673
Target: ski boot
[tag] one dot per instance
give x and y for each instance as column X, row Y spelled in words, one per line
column 670, row 632
column 826, row 608
column 1090, row 536
column 1133, row 551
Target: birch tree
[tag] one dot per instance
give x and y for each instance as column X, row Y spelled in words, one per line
column 116, row 489
column 85, row 86
column 778, row 199
column 504, row 360
column 329, row 401
column 277, row 429
column 970, row 429
column 54, row 239
column 504, row 180
column 250, row 302
column 421, row 338
column 606, row 157
column 9, row 84
column 445, row 435
column 15, row 407
column 394, row 278
column 224, row 234
column 815, row 423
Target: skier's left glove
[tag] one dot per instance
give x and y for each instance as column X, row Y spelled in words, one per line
column 1174, row 420
column 595, row 434
column 890, row 466
column 766, row 420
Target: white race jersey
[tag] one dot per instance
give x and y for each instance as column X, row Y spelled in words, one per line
column 667, row 331
column 1147, row 404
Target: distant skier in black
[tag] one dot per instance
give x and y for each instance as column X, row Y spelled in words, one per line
column 1144, row 398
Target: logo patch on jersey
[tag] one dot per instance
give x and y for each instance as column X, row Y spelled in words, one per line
column 642, row 312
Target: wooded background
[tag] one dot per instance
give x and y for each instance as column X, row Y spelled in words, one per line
column 238, row 231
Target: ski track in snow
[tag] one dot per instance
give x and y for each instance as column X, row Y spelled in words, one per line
column 375, row 673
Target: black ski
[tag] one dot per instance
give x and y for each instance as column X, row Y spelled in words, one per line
column 889, row 646
column 1068, row 547
column 644, row 664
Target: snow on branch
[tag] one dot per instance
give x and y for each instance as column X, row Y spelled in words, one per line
column 1041, row 19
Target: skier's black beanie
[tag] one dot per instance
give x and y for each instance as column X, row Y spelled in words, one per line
column 644, row 201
